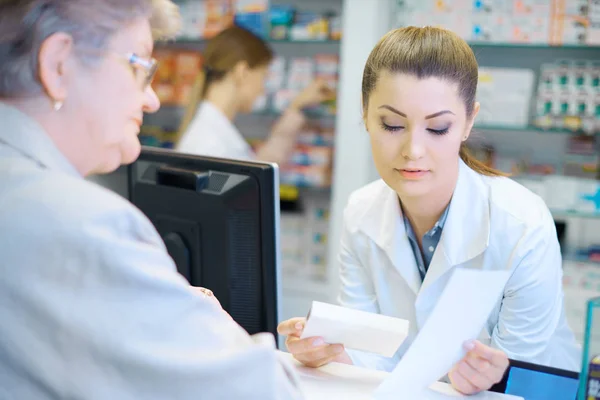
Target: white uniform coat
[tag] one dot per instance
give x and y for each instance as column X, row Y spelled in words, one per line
column 493, row 223
column 212, row 134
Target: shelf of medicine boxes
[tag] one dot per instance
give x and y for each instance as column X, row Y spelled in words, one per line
column 291, row 193
column 580, row 256
column 509, row 45
column 154, row 135
column 196, row 41
column 177, row 109
column 560, row 214
column 311, row 114
column 532, row 129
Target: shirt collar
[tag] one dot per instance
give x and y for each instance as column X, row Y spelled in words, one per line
column 26, row 136
column 438, row 225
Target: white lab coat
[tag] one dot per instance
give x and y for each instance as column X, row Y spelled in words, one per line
column 91, row 304
column 212, row 134
column 492, row 223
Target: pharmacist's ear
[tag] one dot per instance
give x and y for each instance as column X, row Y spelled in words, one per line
column 364, row 115
column 240, row 72
column 471, row 120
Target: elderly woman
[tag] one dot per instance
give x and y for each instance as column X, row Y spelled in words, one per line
column 91, row 305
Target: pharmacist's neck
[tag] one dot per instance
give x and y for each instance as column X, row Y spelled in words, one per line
column 222, row 96
column 424, row 211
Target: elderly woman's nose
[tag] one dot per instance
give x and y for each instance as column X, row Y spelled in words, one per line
column 151, row 101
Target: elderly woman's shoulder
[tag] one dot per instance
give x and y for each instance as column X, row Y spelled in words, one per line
column 55, row 200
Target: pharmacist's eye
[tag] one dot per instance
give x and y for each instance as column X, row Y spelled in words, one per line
column 439, row 131
column 391, row 128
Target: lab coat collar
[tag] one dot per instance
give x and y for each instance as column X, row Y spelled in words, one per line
column 465, row 234
column 467, row 229
column 26, row 136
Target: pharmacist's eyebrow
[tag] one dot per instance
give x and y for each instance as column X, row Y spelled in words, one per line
column 392, row 109
column 437, row 114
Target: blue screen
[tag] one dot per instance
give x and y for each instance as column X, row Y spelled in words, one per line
column 536, row 385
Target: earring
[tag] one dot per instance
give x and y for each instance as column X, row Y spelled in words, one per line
column 58, row 105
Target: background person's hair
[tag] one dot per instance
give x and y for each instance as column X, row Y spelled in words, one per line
column 424, row 53
column 25, row 24
column 223, row 52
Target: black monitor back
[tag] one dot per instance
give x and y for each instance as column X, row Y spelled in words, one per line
column 219, row 219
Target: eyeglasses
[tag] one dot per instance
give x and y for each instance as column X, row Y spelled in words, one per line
column 144, row 69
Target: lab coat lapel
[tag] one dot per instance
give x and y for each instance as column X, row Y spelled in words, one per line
column 383, row 222
column 466, row 232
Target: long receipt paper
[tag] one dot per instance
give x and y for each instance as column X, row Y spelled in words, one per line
column 459, row 315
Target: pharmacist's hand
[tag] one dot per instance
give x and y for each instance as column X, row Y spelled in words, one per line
column 312, row 352
column 315, row 93
column 480, row 368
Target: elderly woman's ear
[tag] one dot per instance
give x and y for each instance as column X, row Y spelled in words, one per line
column 55, row 65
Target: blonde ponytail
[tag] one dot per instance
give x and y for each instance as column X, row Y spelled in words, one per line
column 196, row 96
column 477, row 165
column 221, row 54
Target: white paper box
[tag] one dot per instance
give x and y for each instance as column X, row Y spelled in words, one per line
column 358, row 330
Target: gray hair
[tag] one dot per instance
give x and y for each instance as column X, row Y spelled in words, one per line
column 25, row 24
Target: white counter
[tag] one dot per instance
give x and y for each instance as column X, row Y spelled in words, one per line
column 348, row 382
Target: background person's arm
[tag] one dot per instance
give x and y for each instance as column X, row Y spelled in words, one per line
column 279, row 146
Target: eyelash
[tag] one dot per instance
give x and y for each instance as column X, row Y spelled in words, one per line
column 439, row 132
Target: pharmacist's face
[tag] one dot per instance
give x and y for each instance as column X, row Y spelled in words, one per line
column 416, row 127
column 252, row 87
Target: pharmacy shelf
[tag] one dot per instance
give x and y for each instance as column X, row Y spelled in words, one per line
column 292, row 195
column 578, row 256
column 299, row 284
column 529, row 128
column 276, row 113
column 574, row 214
column 274, row 41
column 178, row 109
column 293, row 192
column 533, row 46
column 306, row 41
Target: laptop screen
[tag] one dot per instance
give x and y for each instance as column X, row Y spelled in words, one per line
column 538, row 385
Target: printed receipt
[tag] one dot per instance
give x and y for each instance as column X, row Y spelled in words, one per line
column 459, row 315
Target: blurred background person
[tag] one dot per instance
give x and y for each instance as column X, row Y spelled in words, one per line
column 235, row 67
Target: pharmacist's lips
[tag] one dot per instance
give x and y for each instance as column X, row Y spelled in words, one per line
column 413, row 169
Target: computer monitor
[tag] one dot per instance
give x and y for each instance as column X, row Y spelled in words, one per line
column 219, row 219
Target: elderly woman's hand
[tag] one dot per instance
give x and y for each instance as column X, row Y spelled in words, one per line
column 207, row 293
